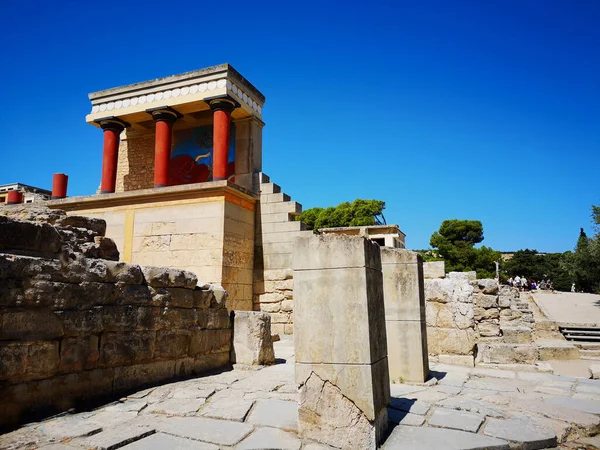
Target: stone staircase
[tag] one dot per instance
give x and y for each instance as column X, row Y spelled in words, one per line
column 276, row 229
column 525, row 337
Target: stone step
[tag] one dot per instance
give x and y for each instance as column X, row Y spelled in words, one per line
column 587, row 345
column 551, row 349
column 263, row 178
column 269, row 188
column 506, row 353
column 516, row 335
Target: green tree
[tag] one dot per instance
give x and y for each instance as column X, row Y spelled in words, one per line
column 536, row 266
column 455, row 242
column 358, row 213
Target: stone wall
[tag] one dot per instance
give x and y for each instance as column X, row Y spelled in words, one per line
column 276, row 229
column 470, row 319
column 75, row 328
column 205, row 228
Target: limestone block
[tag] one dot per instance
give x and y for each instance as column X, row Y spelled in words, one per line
column 30, row 325
column 403, row 288
column 595, row 371
column 504, row 301
column 79, row 353
column 469, row 276
column 516, row 335
column 439, row 290
column 140, row 375
column 287, row 305
column 35, row 239
column 331, row 252
column 407, row 351
column 489, row 328
column 488, row 286
column 486, row 301
column 367, row 386
column 42, row 359
column 350, row 298
column 173, row 297
column 127, row 348
column 252, row 343
column 81, row 323
column 328, row 416
column 434, row 269
column 450, row 341
column 506, row 353
column 13, row 360
column 342, row 371
column 204, row 342
column 210, row 318
column 270, row 307
column 485, row 314
column 172, row 344
column 166, row 277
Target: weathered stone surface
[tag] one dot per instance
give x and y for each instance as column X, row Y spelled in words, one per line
column 252, row 343
column 486, row 301
column 35, row 239
column 488, row 329
column 450, row 341
column 327, row 416
column 552, row 349
column 473, row 405
column 587, row 406
column 410, row 438
column 115, row 437
column 228, row 405
column 177, row 407
column 434, row 269
column 220, row 432
column 457, row 420
column 264, row 438
column 275, row 413
column 158, row 441
column 595, row 371
column 405, row 418
column 507, row 353
column 488, row 286
column 167, row 277
column 527, row 434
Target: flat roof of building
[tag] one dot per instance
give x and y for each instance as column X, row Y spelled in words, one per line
column 26, row 187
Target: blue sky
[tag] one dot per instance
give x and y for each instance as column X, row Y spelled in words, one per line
column 469, row 110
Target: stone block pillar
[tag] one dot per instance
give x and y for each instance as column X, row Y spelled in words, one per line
column 404, row 294
column 340, row 342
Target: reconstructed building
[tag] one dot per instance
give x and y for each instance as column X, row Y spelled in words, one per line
column 182, row 186
column 27, row 194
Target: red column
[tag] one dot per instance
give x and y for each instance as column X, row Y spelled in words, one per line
column 164, row 118
column 112, row 131
column 59, row 186
column 222, row 109
column 14, row 197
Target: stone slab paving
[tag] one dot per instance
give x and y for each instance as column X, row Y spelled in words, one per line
column 464, row 408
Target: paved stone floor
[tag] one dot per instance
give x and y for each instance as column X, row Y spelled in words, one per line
column 464, row 409
column 570, row 308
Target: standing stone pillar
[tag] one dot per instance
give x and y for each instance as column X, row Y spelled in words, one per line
column 222, row 109
column 339, row 339
column 404, row 294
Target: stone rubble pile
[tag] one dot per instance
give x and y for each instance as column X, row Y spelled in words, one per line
column 75, row 327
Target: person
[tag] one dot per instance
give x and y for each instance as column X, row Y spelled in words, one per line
column 524, row 283
column 533, row 285
column 573, row 287
column 518, row 282
column 510, row 281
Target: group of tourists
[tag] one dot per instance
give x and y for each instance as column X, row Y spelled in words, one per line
column 523, row 284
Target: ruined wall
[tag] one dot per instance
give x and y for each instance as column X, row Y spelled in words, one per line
column 202, row 228
column 276, row 229
column 76, row 328
column 469, row 318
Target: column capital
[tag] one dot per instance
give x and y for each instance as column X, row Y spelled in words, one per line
column 222, row 104
column 165, row 114
column 112, row 123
